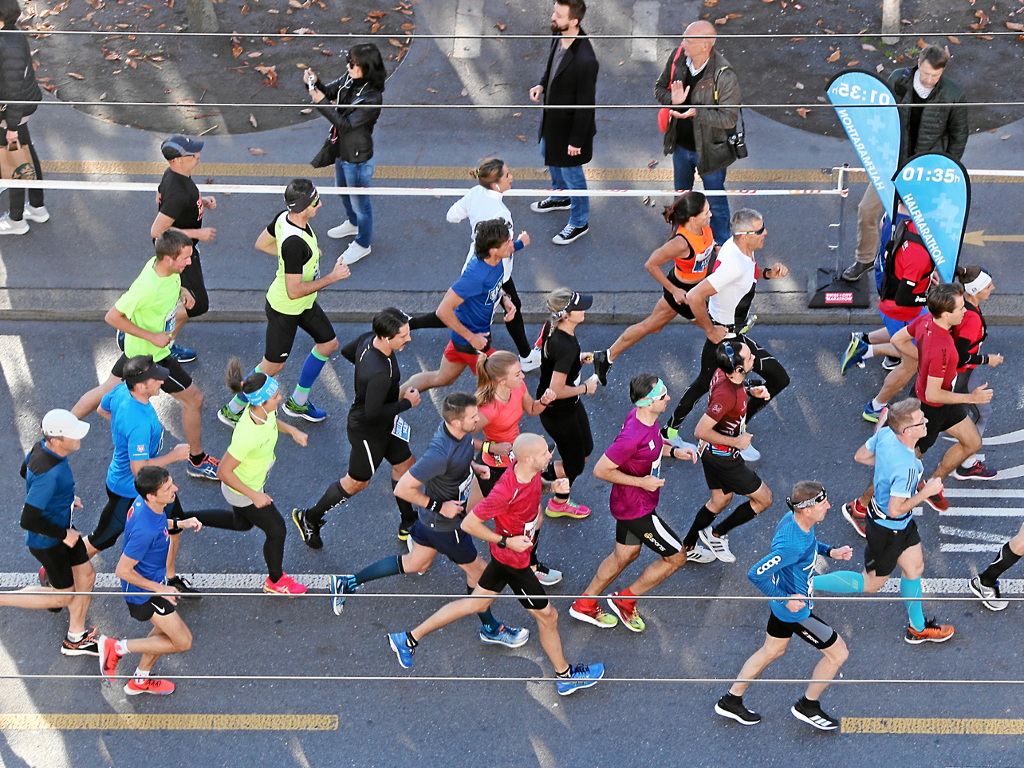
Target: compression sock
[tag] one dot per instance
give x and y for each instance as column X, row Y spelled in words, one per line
column 839, row 581
column 411, row 641
column 704, row 518
column 911, row 589
column 1004, row 560
column 491, row 624
column 332, row 497
column 566, row 674
column 388, row 566
column 310, row 370
column 744, row 513
column 239, row 401
column 406, row 512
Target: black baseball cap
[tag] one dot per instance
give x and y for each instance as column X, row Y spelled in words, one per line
column 180, row 146
column 142, row 368
column 579, row 301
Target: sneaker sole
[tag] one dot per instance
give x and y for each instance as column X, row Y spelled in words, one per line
column 548, row 582
column 931, row 504
column 552, row 209
column 871, row 418
column 341, row 235
column 133, row 692
column 963, row 478
column 184, row 358
column 338, row 601
column 284, row 594
column 37, row 219
column 850, row 357
column 77, row 652
column 561, row 241
column 921, row 640
column 394, row 649
column 349, row 262
column 305, row 416
column 733, row 716
column 491, row 641
column 579, row 686
column 302, row 533
column 852, row 521
column 191, row 472
column 985, row 600
column 825, row 725
column 622, row 619
column 225, row 420
column 722, row 557
column 590, row 619
column 571, row 515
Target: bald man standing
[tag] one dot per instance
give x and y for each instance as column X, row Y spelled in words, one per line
column 697, row 138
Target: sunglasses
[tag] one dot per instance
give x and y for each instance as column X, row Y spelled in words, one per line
column 754, row 232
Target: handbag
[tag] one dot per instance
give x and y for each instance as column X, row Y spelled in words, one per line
column 326, row 155
column 663, row 113
column 737, row 136
column 16, row 162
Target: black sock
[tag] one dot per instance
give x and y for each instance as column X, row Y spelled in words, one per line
column 704, row 518
column 196, row 458
column 406, row 512
column 332, row 497
column 733, row 697
column 744, row 513
column 411, row 641
column 566, row 673
column 804, row 701
column 1004, row 560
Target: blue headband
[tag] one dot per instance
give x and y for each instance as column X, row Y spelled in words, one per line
column 657, row 392
column 264, row 393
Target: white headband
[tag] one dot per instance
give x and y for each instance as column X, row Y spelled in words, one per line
column 978, row 284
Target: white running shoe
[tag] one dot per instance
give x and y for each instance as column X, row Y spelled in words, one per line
column 719, row 545
column 354, row 253
column 531, row 362
column 38, row 215
column 345, row 229
column 678, row 442
column 700, row 555
column 9, row 226
column 750, row 454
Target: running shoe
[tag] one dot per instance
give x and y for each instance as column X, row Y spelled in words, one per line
column 626, row 610
column 307, row 411
column 286, row 585
column 890, row 363
column 601, row 366
column 933, row 632
column 750, row 454
column 345, row 229
column 854, row 352
column 732, row 707
column 182, row 354
column 938, row 502
column 310, row 532
column 870, row 414
column 87, row 646
column 570, row 234
column 206, row 469
column 184, row 587
column 990, row 596
column 977, row 471
column 39, row 215
column 857, row 516
column 719, row 545
column 581, row 676
column 354, row 253
column 569, row 509
column 510, row 637
column 698, row 554
column 399, row 644
column 228, row 417
column 108, row 656
column 853, row 272
column 342, row 586
column 671, row 437
column 154, row 685
column 531, row 362
column 547, row 205
column 9, row 226
column 597, row 615
column 547, row 576
column 119, row 338
column 403, row 534
column 811, row 712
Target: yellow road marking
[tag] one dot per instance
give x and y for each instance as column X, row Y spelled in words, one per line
column 113, row 722
column 980, row 238
column 933, row 726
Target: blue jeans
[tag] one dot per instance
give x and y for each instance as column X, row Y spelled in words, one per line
column 570, row 178
column 685, row 163
column 358, row 207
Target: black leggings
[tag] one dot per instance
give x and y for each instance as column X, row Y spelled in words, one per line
column 570, row 429
column 775, row 378
column 35, row 196
column 192, row 279
column 267, row 519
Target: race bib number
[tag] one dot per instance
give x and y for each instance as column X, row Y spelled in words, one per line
column 401, row 429
column 530, row 529
column 171, row 320
column 464, row 488
column 656, row 466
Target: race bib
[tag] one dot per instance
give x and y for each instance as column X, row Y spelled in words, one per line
column 656, row 466
column 401, row 429
column 171, row 321
column 530, row 529
column 464, row 488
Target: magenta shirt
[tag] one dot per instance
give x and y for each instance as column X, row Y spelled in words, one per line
column 636, row 451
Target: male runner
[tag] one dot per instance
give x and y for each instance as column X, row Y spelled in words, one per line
column 720, row 303
column 181, row 206
column 376, row 431
column 514, row 505
column 632, row 464
column 468, row 305
column 50, row 536
column 439, row 486
column 786, row 573
column 291, row 301
column 148, row 315
column 721, row 435
column 891, row 532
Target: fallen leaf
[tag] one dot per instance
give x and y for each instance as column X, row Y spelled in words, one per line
column 720, row 22
column 517, row 114
column 501, row 27
column 236, row 47
column 880, row 67
column 987, row 37
column 1015, row 27
column 465, row 92
column 834, row 57
column 377, row 14
column 621, row 63
column 822, row 99
column 710, row 3
column 921, row 43
column 76, row 76
column 652, row 163
column 1002, row 138
column 325, row 52
column 104, row 95
column 254, row 55
column 306, row 111
column 411, row 27
column 802, row 111
column 131, row 63
column 302, row 31
column 254, row 150
column 521, row 138
column 157, row 58
column 297, row 4
column 734, row 16
column 953, row 40
column 245, row 9
column 431, row 90
column 346, row 18
column 800, row 86
column 269, row 41
column 395, row 43
column 853, row 63
column 868, row 47
column 252, row 119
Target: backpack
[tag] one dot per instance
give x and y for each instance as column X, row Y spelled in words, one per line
column 887, row 282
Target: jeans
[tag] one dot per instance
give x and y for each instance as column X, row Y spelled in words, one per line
column 684, row 163
column 570, row 178
column 358, row 207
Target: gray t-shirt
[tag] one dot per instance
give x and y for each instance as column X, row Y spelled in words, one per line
column 444, row 469
column 556, row 62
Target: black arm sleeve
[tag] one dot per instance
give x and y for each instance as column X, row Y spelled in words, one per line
column 374, row 406
column 349, row 350
column 963, row 347
column 32, row 520
column 905, row 296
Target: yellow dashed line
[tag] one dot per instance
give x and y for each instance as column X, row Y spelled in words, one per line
column 933, row 726
column 113, row 722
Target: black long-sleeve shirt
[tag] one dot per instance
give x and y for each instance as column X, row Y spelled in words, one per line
column 377, row 378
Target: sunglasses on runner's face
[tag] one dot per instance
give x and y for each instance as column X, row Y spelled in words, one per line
column 753, row 232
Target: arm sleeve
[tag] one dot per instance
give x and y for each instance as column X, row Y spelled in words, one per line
column 467, row 286
column 760, row 574
column 901, row 483
column 14, row 59
column 294, row 254
column 823, row 549
column 374, row 406
column 905, row 296
column 724, row 274
column 137, row 542
column 963, row 347
column 33, row 521
column 958, row 129
column 662, row 90
column 346, row 118
column 566, row 359
column 429, row 465
column 620, row 451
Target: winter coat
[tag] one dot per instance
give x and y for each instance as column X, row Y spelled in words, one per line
column 17, row 80
column 943, row 128
column 352, row 135
column 575, row 82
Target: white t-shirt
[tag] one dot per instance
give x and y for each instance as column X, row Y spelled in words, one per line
column 734, row 280
column 482, row 204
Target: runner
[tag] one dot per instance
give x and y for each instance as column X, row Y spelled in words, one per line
column 439, row 485
column 720, row 303
column 468, row 306
column 148, row 313
column 376, row 431
column 502, row 399
column 514, row 505
column 721, row 436
column 566, row 419
column 632, row 464
column 986, row 584
column 291, row 301
column 181, row 206
column 786, row 573
column 244, row 469
column 141, row 570
column 50, row 536
column 892, row 534
column 692, row 248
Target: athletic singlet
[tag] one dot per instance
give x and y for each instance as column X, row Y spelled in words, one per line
column 503, row 424
column 277, row 294
column 702, row 248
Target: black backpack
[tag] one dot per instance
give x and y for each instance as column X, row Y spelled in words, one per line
column 900, row 236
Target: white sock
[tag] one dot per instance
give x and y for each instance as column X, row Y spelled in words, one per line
column 122, row 647
column 877, row 405
column 141, row 674
column 870, row 352
column 75, row 637
column 967, row 464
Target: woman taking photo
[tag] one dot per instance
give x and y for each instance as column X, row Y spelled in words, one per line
column 351, row 138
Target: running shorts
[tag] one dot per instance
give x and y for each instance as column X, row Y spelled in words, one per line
column 885, row 546
column 649, row 530
column 729, row 475
column 281, row 330
column 811, row 630
column 58, row 561
column 523, row 581
column 177, row 381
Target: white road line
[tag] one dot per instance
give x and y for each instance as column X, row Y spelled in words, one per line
column 469, row 20
column 955, row 586
column 965, row 548
column 645, row 22
column 983, row 493
column 1010, row 473
column 1009, row 437
column 983, row 512
column 977, row 535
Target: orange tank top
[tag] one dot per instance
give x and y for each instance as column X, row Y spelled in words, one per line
column 702, row 248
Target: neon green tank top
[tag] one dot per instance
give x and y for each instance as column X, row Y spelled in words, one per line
column 277, row 294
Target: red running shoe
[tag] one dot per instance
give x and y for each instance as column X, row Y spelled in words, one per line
column 154, row 685
column 856, row 515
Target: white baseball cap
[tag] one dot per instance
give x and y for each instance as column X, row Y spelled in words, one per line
column 61, row 423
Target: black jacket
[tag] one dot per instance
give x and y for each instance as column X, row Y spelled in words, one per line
column 17, row 80
column 943, row 128
column 575, row 82
column 352, row 135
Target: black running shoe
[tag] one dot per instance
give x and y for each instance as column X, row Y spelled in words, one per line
column 310, row 532
column 810, row 712
column 184, row 588
column 891, row 363
column 732, row 707
column 602, row 366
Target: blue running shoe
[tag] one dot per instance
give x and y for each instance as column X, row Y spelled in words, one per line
column 510, row 637
column 206, row 469
column 309, row 412
column 182, row 354
column 854, row 353
column 341, row 585
column 397, row 641
column 120, row 340
column 870, row 414
column 581, row 676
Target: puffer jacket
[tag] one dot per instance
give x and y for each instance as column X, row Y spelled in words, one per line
column 17, row 80
column 711, row 127
column 943, row 126
column 352, row 135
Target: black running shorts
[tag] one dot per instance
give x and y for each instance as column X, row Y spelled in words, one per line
column 683, row 310
column 729, row 475
column 58, row 561
column 651, row 531
column 281, row 330
column 523, row 581
column 177, row 381
column 369, row 451
column 811, row 630
column 939, row 420
column 156, row 604
column 885, row 546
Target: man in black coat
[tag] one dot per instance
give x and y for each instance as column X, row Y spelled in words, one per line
column 567, row 135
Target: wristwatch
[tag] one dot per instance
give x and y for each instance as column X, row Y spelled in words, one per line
column 503, row 543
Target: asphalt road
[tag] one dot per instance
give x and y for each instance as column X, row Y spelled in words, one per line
column 386, row 719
